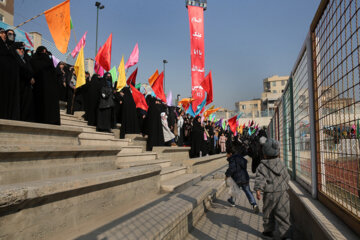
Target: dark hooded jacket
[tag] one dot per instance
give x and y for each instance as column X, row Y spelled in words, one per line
column 237, row 169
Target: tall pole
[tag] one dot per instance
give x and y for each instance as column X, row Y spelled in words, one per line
column 164, row 76
column 164, row 61
column 97, row 22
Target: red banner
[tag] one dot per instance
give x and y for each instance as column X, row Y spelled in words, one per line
column 196, row 20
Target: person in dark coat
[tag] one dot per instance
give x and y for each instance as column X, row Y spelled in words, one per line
column 61, row 75
column 27, row 108
column 85, row 95
column 153, row 125
column 9, row 81
column 118, row 101
column 93, row 98
column 106, row 106
column 238, row 172
column 141, row 114
column 70, row 88
column 197, row 137
column 46, row 88
column 129, row 121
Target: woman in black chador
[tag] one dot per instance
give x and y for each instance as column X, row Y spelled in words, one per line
column 46, row 88
column 106, row 106
column 129, row 119
column 197, row 137
column 153, row 126
column 9, row 80
column 93, row 98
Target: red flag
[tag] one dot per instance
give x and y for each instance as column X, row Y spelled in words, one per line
column 208, row 87
column 103, row 57
column 197, row 54
column 29, row 40
column 159, row 88
column 139, row 98
column 232, row 123
column 132, row 78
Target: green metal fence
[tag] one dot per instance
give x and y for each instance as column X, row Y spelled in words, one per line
column 317, row 119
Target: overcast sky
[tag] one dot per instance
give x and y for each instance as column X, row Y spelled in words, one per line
column 245, row 40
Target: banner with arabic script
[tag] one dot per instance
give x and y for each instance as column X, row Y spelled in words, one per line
column 196, row 20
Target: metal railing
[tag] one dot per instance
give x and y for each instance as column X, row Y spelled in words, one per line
column 317, row 120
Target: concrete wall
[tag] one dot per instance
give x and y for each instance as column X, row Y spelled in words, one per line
column 313, row 220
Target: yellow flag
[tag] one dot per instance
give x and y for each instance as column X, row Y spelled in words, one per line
column 121, row 81
column 58, row 20
column 153, row 77
column 80, row 69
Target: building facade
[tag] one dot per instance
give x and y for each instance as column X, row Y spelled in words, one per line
column 7, row 11
column 249, row 108
column 273, row 89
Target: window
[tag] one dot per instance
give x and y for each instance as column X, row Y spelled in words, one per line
column 255, row 105
column 282, row 82
column 274, row 84
column 243, row 107
column 2, row 19
column 274, row 91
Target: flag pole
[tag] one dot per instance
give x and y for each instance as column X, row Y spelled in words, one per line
column 29, row 20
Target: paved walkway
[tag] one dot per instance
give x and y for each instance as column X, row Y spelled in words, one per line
column 223, row 221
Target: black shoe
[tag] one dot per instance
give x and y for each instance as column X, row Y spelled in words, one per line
column 256, row 209
column 268, row 235
column 232, row 203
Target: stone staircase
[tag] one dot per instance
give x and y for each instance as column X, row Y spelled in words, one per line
column 55, row 180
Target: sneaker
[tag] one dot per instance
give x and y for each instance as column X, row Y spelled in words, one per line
column 268, row 235
column 232, row 203
column 256, row 208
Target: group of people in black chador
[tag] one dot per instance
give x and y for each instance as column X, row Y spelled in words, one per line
column 31, row 88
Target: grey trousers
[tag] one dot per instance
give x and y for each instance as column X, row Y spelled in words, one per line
column 277, row 208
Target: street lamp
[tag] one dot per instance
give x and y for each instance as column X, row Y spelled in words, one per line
column 98, row 6
column 164, row 61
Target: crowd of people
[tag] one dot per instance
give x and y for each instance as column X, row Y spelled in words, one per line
column 31, row 88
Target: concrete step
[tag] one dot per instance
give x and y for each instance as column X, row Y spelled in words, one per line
column 135, row 137
column 170, row 217
column 137, row 140
column 45, row 209
column 131, row 149
column 206, row 165
column 179, row 183
column 31, row 163
column 160, row 162
column 70, row 117
column 94, row 141
column 64, row 114
column 171, row 172
column 133, row 157
column 176, row 154
column 27, row 133
column 79, row 114
column 74, row 123
column 90, row 134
